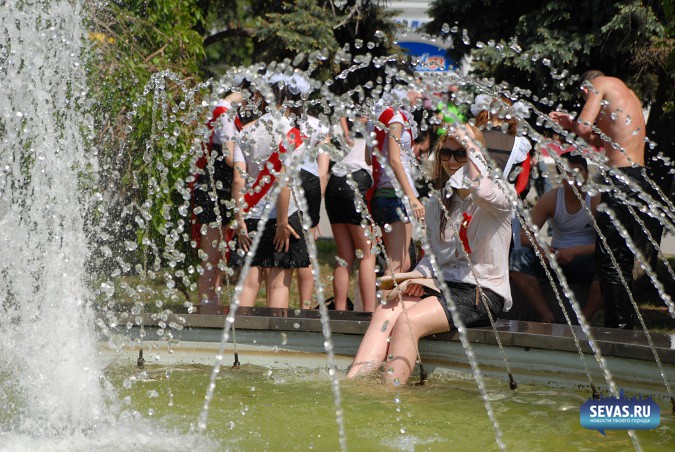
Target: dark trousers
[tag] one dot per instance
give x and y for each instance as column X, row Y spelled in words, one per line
column 619, row 312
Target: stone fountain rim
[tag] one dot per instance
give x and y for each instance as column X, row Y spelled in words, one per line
column 520, row 334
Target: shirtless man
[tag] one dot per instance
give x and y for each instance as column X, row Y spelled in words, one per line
column 617, row 112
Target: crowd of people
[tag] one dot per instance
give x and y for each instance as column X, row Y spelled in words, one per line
column 412, row 169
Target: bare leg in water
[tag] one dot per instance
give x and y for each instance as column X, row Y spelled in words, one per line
column 424, row 318
column 421, row 318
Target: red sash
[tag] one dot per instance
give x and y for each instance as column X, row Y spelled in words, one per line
column 524, row 176
column 270, row 169
column 466, row 219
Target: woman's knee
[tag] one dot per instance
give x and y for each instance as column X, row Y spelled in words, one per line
column 383, row 313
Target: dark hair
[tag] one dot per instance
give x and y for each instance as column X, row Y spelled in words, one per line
column 590, row 75
column 574, row 160
column 283, row 96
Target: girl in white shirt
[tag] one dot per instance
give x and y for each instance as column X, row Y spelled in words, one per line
column 282, row 247
column 389, row 211
column 350, row 228
column 470, row 242
column 213, row 192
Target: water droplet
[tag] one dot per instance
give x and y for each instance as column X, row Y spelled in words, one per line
column 465, row 37
column 152, row 394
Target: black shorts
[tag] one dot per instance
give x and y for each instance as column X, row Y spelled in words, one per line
column 204, row 204
column 265, row 255
column 471, row 313
column 311, row 184
column 340, row 205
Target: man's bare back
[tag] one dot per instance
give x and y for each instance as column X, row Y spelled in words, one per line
column 617, row 112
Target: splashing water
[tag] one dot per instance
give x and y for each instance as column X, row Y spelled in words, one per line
column 45, row 302
column 48, row 179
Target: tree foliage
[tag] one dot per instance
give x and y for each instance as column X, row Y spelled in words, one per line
column 542, row 45
column 146, row 63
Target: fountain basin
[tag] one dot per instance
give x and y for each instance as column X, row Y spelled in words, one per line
column 538, row 353
column 281, row 397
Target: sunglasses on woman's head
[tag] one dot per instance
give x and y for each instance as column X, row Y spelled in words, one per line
column 447, row 153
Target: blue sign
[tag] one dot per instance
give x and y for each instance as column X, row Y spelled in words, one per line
column 431, row 57
column 621, row 413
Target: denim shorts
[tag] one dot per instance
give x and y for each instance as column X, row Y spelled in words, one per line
column 471, row 313
column 388, row 210
column 581, row 270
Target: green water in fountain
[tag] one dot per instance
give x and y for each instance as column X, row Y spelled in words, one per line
column 262, row 408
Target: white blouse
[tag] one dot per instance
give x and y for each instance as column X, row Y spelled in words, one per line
column 488, row 233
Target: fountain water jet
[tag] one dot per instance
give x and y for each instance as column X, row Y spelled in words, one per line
column 39, row 298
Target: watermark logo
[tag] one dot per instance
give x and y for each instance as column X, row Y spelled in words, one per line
column 622, row 413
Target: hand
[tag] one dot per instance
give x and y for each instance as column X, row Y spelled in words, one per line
column 349, row 141
column 563, row 119
column 282, row 238
column 242, row 236
column 417, row 208
column 414, row 290
column 565, row 256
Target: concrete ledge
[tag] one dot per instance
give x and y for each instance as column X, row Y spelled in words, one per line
column 518, row 334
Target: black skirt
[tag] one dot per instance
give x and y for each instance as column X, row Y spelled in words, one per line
column 340, row 205
column 311, row 184
column 265, row 256
column 204, row 191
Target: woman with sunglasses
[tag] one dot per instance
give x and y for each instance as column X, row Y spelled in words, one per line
column 468, row 229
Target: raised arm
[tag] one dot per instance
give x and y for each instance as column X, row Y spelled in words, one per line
column 583, row 126
column 488, row 193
